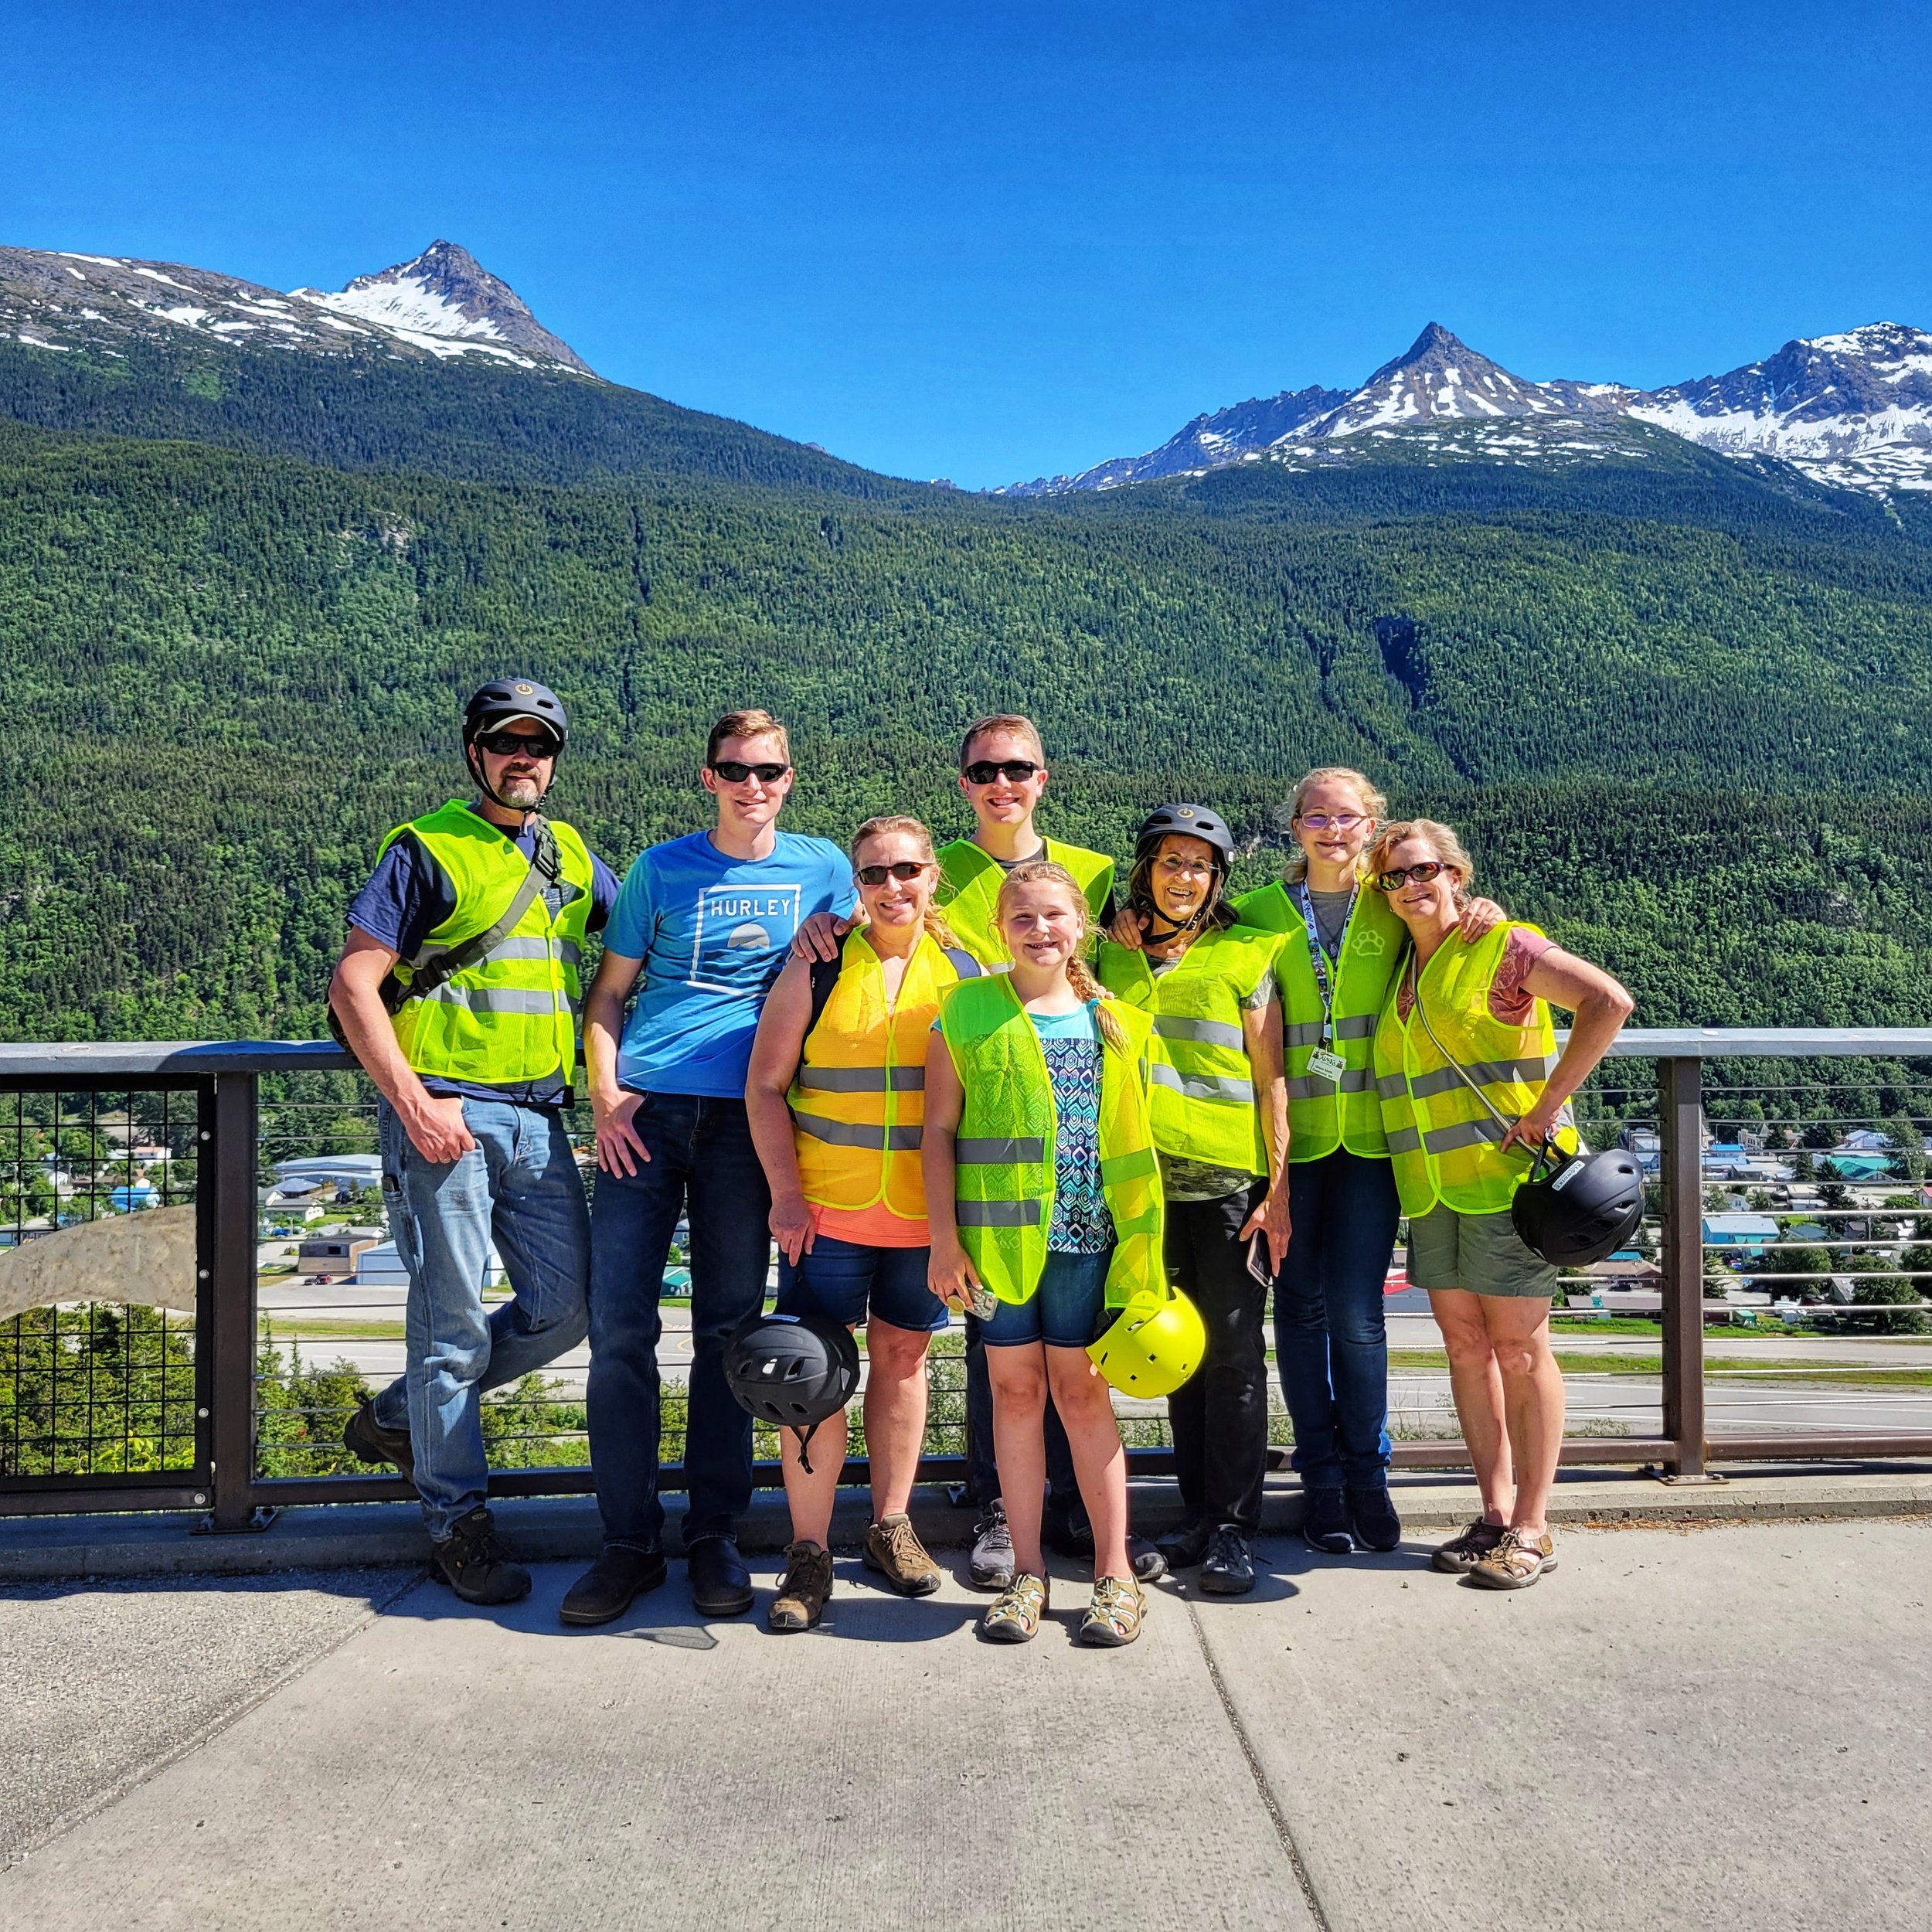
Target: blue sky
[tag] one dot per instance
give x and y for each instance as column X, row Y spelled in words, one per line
column 990, row 242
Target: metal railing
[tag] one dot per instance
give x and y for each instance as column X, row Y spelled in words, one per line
column 115, row 1404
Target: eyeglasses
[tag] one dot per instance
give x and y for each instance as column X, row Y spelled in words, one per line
column 1194, row 868
column 513, row 744
column 732, row 773
column 1331, row 821
column 1393, row 881
column 903, row 869
column 1015, row 770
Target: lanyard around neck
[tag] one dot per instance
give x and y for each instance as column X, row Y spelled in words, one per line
column 1319, row 958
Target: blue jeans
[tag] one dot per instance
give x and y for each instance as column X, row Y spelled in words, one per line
column 1064, row 1508
column 1330, row 1343
column 702, row 1163
column 519, row 1186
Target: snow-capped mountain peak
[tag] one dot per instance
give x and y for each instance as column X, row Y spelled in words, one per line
column 443, row 300
column 1439, row 376
column 1854, row 408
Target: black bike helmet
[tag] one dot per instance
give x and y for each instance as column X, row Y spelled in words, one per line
column 793, row 1371
column 1192, row 821
column 503, row 699
column 1587, row 1206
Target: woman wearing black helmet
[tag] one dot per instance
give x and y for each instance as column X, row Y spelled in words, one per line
column 1220, row 1128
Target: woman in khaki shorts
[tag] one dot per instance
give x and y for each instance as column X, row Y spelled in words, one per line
column 1466, row 1036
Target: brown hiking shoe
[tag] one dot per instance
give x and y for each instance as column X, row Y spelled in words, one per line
column 893, row 1548
column 801, row 1600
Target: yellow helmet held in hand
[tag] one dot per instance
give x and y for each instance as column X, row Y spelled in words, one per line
column 1153, row 1344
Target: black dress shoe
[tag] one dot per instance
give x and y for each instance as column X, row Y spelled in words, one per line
column 1186, row 1547
column 605, row 1590
column 1324, row 1524
column 1227, row 1569
column 720, row 1583
column 1372, row 1512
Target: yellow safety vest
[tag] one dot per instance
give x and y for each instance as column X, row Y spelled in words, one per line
column 1203, row 1083
column 1007, row 1130
column 1324, row 1115
column 1442, row 1138
column 969, row 883
column 509, row 1018
column 858, row 1100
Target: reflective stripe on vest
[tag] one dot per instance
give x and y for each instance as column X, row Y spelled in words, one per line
column 1444, row 1141
column 1324, row 1115
column 858, row 1101
column 508, row 1019
column 1003, row 1167
column 969, row 883
column 1204, row 1102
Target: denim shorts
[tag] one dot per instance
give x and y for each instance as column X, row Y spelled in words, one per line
column 1068, row 1310
column 849, row 1282
column 1480, row 1254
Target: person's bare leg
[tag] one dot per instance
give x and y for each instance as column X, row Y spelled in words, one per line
column 895, row 1412
column 1533, row 1387
column 1019, row 1377
column 811, row 1497
column 1477, row 1386
column 1086, row 1407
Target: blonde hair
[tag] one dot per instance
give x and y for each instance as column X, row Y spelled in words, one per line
column 915, row 829
column 1441, row 839
column 1011, row 722
column 1373, row 804
column 1080, row 976
column 745, row 724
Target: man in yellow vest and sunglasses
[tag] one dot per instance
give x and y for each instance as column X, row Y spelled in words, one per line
column 457, row 992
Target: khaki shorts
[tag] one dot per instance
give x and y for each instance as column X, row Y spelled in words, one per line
column 1482, row 1254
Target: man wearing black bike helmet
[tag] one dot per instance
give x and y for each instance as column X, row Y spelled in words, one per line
column 457, row 992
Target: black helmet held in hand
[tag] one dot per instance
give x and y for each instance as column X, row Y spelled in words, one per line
column 793, row 1371
column 1190, row 821
column 1585, row 1207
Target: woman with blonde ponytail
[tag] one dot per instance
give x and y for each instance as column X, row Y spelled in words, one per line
column 1043, row 1196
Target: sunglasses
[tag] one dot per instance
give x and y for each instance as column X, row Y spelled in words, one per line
column 903, row 869
column 732, row 773
column 1331, row 821
column 1015, row 770
column 1393, row 881
column 513, row 744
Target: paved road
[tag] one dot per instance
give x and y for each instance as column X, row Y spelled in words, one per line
column 1723, row 1728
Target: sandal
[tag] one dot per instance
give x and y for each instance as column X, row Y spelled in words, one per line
column 1461, row 1554
column 1114, row 1617
column 1516, row 1562
column 1015, row 1617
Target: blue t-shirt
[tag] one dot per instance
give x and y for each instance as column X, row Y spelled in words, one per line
column 712, row 932
column 409, row 895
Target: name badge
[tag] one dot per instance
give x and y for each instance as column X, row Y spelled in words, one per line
column 1325, row 1066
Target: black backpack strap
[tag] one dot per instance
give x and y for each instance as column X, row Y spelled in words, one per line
column 824, row 977
column 546, row 868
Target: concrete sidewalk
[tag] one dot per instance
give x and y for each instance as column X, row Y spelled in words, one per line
column 1720, row 1727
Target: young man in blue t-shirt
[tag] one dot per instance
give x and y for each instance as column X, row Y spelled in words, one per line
column 701, row 929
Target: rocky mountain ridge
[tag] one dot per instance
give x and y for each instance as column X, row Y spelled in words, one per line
column 443, row 303
column 1853, row 411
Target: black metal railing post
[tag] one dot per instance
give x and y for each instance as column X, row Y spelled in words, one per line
column 1680, row 1125
column 227, row 1299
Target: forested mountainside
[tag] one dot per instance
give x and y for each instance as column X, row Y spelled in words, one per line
column 1677, row 706
column 365, row 409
